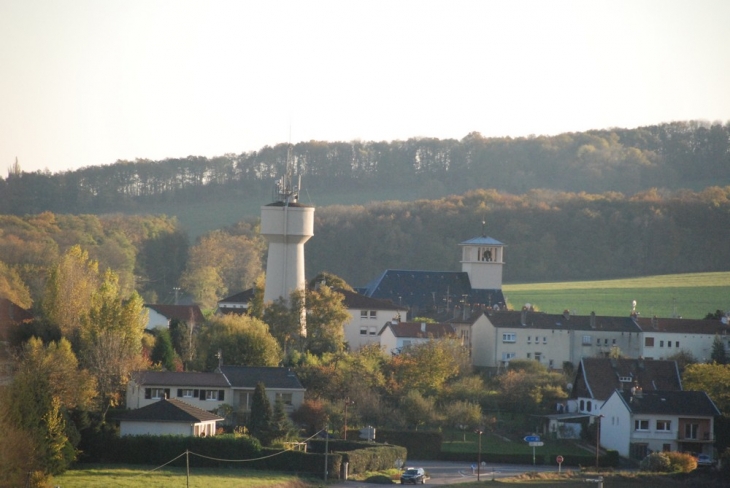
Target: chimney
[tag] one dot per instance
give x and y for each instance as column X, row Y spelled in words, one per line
column 566, row 314
column 523, row 317
column 654, row 322
column 593, row 320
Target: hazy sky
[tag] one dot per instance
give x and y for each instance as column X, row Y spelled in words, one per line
column 90, row 82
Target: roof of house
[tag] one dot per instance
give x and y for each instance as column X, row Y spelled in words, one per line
column 428, row 290
column 355, row 300
column 183, row 313
column 695, row 403
column 175, row 378
column 540, row 320
column 599, row 377
column 419, row 330
column 244, row 296
column 481, row 241
column 703, row 326
column 271, row 377
column 169, row 410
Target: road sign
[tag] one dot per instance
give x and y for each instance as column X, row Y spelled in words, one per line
column 537, row 444
column 532, row 438
column 559, row 459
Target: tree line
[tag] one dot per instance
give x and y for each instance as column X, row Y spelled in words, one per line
column 676, row 155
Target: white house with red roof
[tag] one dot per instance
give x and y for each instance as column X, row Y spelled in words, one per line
column 161, row 316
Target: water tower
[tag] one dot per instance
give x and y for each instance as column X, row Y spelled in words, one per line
column 287, row 225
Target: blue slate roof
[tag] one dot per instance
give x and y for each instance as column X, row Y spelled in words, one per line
column 428, row 290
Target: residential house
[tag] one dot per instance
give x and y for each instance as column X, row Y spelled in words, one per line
column 280, row 383
column 597, row 378
column 636, row 423
column 551, row 339
column 161, row 316
column 232, row 386
column 664, row 337
column 366, row 318
column 395, row 336
column 168, row 416
column 236, row 304
column 207, row 391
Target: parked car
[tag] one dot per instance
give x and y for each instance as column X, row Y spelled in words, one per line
column 413, row 475
column 704, row 460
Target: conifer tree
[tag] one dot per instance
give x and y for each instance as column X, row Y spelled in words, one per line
column 260, row 422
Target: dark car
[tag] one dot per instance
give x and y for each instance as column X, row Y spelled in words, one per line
column 413, row 475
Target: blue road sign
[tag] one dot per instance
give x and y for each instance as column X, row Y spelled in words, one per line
column 532, row 438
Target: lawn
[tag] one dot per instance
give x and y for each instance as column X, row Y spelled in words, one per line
column 141, row 477
column 690, row 295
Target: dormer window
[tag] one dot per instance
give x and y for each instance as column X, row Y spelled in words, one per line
column 625, row 379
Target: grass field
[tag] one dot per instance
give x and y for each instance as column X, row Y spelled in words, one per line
column 142, row 477
column 690, row 295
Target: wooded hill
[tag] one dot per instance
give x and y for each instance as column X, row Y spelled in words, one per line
column 679, row 155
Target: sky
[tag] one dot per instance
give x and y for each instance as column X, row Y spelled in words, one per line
column 91, row 82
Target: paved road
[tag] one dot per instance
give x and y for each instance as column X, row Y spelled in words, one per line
column 447, row 473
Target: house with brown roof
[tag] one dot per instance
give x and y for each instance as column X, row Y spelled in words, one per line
column 236, row 304
column 161, row 316
column 597, row 378
column 395, row 336
column 168, row 416
column 663, row 337
column 639, row 422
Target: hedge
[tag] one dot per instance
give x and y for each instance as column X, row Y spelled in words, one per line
column 421, row 445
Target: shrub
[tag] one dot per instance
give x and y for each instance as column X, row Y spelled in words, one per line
column 657, row 462
column 681, row 462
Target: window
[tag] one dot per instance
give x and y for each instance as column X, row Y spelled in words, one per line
column 212, row 395
column 373, row 314
column 641, row 425
column 587, row 340
column 661, row 343
column 286, row 398
column 625, row 379
column 363, row 330
column 538, row 356
column 676, row 344
column 373, row 330
column 551, row 363
column 598, row 342
column 582, row 405
column 529, row 339
column 363, row 314
column 648, row 342
column 664, row 425
column 506, row 356
column 529, row 355
column 614, row 342
column 544, row 340
column 187, row 393
column 156, row 393
column 589, row 406
column 509, row 337
column 669, row 343
column 690, row 431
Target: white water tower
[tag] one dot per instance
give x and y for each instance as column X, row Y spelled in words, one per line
column 287, row 225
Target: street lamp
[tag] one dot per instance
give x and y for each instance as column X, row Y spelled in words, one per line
column 598, row 437
column 347, row 402
column 479, row 433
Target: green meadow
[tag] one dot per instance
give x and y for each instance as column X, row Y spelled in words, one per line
column 690, row 296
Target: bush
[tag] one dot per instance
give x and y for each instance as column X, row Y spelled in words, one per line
column 657, row 462
column 681, row 462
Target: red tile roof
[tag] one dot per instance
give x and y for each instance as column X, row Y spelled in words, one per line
column 183, row 313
